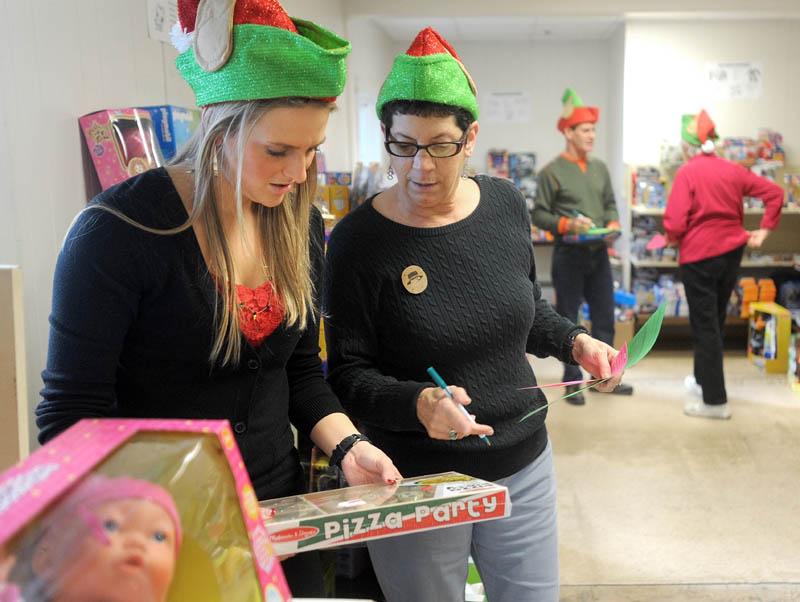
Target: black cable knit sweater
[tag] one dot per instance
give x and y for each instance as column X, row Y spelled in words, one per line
column 481, row 311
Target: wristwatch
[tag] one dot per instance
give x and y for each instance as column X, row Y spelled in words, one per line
column 574, row 335
column 344, row 446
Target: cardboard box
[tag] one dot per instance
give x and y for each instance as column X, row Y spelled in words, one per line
column 768, row 336
column 189, row 473
column 354, row 514
column 122, row 143
column 623, row 332
column 339, row 200
column 339, row 178
column 173, row 126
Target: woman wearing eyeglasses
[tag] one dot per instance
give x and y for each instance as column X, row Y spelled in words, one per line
column 438, row 270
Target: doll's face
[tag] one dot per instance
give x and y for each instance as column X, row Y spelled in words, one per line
column 130, row 558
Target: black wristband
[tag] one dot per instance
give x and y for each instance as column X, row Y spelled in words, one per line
column 344, row 446
column 570, row 343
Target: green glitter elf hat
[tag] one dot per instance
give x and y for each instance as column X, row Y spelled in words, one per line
column 575, row 111
column 251, row 49
column 699, row 130
column 430, row 70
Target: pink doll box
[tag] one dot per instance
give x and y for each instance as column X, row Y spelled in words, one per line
column 337, row 517
column 122, row 143
column 223, row 550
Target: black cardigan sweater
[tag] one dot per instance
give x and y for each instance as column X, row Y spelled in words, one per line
column 480, row 313
column 131, row 331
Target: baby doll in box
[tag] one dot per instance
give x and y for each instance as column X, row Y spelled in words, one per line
column 108, row 539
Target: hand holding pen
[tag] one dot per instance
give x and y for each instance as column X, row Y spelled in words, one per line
column 580, row 223
column 453, row 431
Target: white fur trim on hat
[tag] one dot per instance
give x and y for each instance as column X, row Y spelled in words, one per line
column 708, row 146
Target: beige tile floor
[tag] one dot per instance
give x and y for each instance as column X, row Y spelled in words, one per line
column 657, row 506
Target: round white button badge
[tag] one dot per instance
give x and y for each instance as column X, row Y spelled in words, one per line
column 415, row 280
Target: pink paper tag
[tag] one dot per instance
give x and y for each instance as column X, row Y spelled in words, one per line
column 618, row 365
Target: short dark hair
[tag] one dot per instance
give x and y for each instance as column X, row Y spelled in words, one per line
column 424, row 108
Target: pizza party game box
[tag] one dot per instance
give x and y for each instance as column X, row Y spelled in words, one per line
column 349, row 515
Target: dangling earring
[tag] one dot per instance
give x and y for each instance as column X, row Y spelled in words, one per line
column 465, row 172
column 390, row 173
column 214, row 163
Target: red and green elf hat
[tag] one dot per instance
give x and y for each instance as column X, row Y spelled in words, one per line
column 697, row 129
column 430, row 70
column 575, row 111
column 251, row 49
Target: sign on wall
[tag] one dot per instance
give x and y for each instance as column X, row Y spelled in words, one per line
column 733, row 81
column 161, row 16
column 506, row 107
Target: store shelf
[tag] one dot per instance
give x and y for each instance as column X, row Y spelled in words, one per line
column 671, row 265
column 653, row 263
column 767, row 264
column 684, row 320
column 637, row 210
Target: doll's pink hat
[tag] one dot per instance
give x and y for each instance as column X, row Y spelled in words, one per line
column 97, row 489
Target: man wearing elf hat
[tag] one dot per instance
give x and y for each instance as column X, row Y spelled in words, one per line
column 573, row 195
column 704, row 217
column 189, row 291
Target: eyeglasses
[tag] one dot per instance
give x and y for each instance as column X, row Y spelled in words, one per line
column 437, row 150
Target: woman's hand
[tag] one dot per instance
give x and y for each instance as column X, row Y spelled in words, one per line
column 440, row 415
column 756, row 238
column 365, row 464
column 596, row 357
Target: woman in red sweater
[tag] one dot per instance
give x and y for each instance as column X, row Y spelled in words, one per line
column 704, row 217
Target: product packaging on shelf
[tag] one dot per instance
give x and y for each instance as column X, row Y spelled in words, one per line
column 768, row 336
column 122, row 143
column 178, row 489
column 355, row 514
column 173, row 126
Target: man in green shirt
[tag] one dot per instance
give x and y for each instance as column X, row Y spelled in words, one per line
column 573, row 197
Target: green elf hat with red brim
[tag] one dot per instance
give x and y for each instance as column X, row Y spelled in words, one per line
column 698, row 129
column 575, row 112
column 430, row 70
column 251, row 49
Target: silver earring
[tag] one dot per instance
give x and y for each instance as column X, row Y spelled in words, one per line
column 465, row 172
column 390, row 173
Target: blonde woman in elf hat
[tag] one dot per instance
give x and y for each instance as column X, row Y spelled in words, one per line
column 704, row 217
column 439, row 271
column 191, row 291
column 574, row 194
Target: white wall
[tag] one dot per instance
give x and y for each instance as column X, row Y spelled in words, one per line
column 664, row 66
column 547, row 69
column 60, row 60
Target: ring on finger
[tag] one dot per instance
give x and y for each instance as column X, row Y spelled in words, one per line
column 453, row 434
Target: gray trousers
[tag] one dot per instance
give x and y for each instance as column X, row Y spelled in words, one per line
column 517, row 556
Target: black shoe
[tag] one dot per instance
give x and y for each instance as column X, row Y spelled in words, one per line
column 620, row 389
column 578, row 399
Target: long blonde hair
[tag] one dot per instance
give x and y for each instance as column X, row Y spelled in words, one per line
column 283, row 229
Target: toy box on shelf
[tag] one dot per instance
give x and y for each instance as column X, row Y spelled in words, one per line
column 768, row 336
column 174, row 126
column 354, row 514
column 121, row 144
column 793, row 373
column 180, row 485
